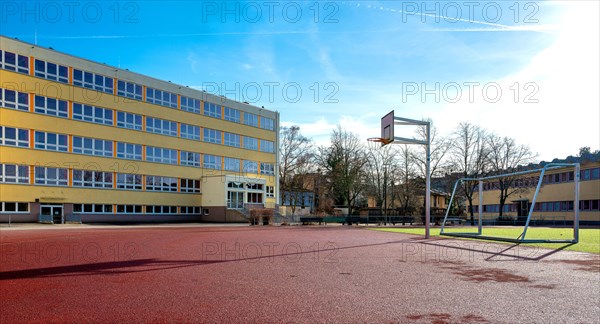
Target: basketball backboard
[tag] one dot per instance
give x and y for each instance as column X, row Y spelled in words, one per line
column 387, row 128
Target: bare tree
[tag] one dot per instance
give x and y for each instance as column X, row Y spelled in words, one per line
column 380, row 166
column 343, row 163
column 406, row 188
column 439, row 147
column 297, row 154
column 468, row 156
column 505, row 156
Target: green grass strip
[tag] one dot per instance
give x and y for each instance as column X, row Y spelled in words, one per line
column 589, row 239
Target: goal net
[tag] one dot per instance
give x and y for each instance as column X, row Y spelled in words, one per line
column 509, row 207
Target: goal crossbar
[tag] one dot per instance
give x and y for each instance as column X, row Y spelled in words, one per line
column 521, row 238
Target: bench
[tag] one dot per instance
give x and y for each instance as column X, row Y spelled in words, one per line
column 402, row 219
column 308, row 220
column 334, row 220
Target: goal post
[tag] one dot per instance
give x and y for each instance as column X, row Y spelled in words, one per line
column 531, row 208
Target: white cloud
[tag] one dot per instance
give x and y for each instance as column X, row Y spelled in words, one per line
column 566, row 73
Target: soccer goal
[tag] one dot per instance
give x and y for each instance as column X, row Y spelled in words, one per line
column 519, row 211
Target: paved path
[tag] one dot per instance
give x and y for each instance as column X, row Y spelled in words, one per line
column 286, row 274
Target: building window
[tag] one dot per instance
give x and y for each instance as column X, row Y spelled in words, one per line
column 250, row 166
column 595, row 174
column 157, row 183
column 92, row 146
column 190, row 132
column 232, row 115
column 191, row 105
column 232, row 164
column 92, row 81
column 95, row 179
column 92, row 114
column 92, row 209
column 129, row 181
column 586, row 175
column 51, row 107
column 51, row 176
column 129, row 151
column 14, row 99
column 250, row 143
column 14, row 136
column 232, row 139
column 189, row 210
column 161, row 126
column 267, row 123
column 14, row 207
column 129, row 90
column 161, row 209
column 163, row 98
column 254, row 198
column 212, row 136
column 267, row 168
column 127, row 120
column 254, row 186
column 267, row 146
column 51, row 141
column 270, row 192
column 190, row 185
column 189, row 158
column 161, row 155
column 212, row 162
column 250, row 119
column 12, row 173
column 129, row 209
column 14, row 62
column 51, row 71
column 212, row 110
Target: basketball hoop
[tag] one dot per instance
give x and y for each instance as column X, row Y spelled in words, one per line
column 381, row 140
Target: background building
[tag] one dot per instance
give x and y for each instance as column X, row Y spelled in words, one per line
column 555, row 202
column 80, row 140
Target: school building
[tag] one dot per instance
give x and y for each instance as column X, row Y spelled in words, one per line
column 84, row 141
column 555, row 201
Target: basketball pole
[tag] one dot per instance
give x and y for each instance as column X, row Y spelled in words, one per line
column 388, row 137
column 427, row 184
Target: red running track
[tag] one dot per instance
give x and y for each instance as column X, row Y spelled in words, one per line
column 286, row 274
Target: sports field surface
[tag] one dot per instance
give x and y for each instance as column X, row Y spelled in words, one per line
column 196, row 273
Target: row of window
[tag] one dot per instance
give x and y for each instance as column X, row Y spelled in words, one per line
column 10, row 136
column 529, row 182
column 588, row 174
column 103, row 116
column 12, row 173
column 133, row 209
column 51, row 71
column 14, row 207
column 60, row 73
column 551, row 206
column 14, row 99
column 20, row 207
column 14, row 62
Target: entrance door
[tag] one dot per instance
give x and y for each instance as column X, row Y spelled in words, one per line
column 55, row 212
column 235, row 200
column 523, row 211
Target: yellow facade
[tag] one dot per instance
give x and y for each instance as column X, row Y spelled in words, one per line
column 37, row 83
column 554, row 203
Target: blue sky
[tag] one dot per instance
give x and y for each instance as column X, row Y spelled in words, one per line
column 355, row 61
